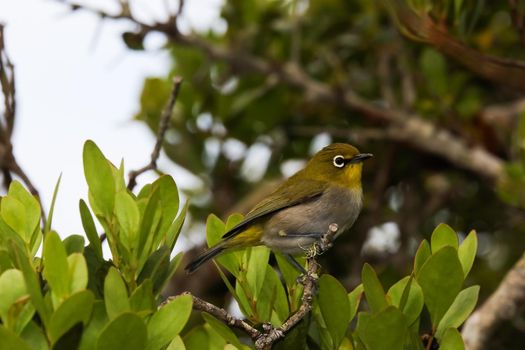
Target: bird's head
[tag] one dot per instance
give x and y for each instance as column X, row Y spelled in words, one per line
column 339, row 163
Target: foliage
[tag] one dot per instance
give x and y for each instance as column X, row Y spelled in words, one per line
column 72, row 298
column 363, row 48
column 433, row 288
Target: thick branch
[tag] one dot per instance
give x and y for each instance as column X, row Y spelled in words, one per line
column 503, row 305
column 164, row 122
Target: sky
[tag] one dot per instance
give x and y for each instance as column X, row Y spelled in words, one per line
column 75, row 81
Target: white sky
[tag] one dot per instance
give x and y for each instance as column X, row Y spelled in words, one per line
column 77, row 81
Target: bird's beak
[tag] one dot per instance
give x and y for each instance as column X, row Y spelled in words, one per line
column 359, row 158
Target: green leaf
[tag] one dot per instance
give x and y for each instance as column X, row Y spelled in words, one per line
column 460, row 309
column 174, row 230
column 128, row 215
column 374, row 292
column 256, row 268
column 12, row 287
column 156, row 268
column 148, row 224
column 467, row 252
column 31, row 209
column 271, row 303
column 56, row 267
column 97, row 322
column 115, row 294
column 215, row 229
column 176, row 344
column 126, row 331
column 75, row 309
column 49, row 220
column 9, row 340
column 443, row 236
column 354, row 298
column 174, row 265
column 383, row 330
column 440, row 278
column 89, row 228
column 166, row 323
column 422, row 255
column 99, row 178
column 74, row 244
column 13, row 212
column 452, row 340
column 31, row 281
column 199, row 338
column 224, row 331
column 414, row 301
column 334, row 306
column 169, row 199
column 78, row 272
column 34, row 337
column 142, row 300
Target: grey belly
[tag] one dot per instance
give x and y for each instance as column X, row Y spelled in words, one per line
column 293, row 230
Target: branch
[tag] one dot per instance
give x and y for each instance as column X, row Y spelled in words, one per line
column 414, row 129
column 265, row 340
column 8, row 163
column 503, row 305
column 163, row 127
column 507, row 72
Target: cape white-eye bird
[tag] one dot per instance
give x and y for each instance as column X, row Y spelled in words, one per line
column 293, row 217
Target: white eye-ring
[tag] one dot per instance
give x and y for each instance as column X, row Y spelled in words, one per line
column 339, row 161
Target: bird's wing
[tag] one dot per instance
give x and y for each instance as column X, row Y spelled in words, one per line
column 287, row 195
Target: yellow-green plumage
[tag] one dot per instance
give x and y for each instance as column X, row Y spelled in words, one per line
column 328, row 190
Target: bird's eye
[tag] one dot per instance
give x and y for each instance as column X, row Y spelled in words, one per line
column 339, row 161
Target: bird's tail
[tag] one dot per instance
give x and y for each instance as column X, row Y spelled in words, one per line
column 207, row 255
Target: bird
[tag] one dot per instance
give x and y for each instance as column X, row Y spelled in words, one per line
column 293, row 217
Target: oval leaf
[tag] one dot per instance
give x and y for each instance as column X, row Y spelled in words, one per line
column 99, row 178
column 127, row 331
column 460, row 309
column 422, row 254
column 384, row 330
column 167, row 323
column 75, row 309
column 335, row 307
column 374, row 292
column 440, row 278
column 115, row 294
column 443, row 236
column 452, row 340
column 467, row 252
column 56, row 270
column 414, row 301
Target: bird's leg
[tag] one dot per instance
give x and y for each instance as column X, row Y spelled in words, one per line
column 295, row 263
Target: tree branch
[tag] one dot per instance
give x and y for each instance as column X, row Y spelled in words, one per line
column 264, row 340
column 415, row 130
column 8, row 163
column 503, row 305
column 164, row 122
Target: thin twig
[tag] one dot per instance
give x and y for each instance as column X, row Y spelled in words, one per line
column 265, row 339
column 164, row 123
column 223, row 315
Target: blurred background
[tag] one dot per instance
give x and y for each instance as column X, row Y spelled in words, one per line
column 434, row 89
